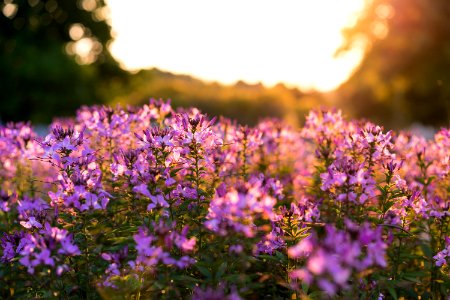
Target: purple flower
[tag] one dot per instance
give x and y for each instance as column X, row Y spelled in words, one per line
column 157, row 201
column 154, row 248
column 239, row 208
column 68, row 248
column 48, row 248
column 302, row 249
column 332, row 260
column 218, row 293
column 270, row 243
column 12, row 244
column 6, row 200
column 443, row 256
column 31, row 223
column 183, row 242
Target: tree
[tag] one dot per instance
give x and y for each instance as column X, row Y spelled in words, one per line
column 405, row 75
column 53, row 57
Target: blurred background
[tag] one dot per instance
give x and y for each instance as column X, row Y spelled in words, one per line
column 384, row 60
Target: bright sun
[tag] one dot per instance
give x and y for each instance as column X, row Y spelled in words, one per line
column 289, row 41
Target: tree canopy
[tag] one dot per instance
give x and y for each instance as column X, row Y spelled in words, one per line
column 405, row 75
column 53, row 57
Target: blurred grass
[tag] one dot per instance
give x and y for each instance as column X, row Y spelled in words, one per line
column 246, row 103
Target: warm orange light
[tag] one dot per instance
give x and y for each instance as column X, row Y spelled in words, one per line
column 254, row 40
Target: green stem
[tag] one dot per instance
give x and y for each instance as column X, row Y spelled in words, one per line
column 197, row 188
column 244, row 154
column 86, row 257
column 397, row 254
column 138, row 295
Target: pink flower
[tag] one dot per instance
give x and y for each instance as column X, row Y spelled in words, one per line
column 31, row 223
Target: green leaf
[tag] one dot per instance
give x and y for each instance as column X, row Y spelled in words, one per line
column 305, row 287
column 221, row 271
column 388, row 205
column 121, row 240
column 304, row 229
column 413, row 277
column 392, row 291
column 205, row 272
column 233, row 277
column 186, row 278
column 174, row 172
column 317, row 295
column 300, row 237
column 268, row 257
column 281, row 256
column 374, row 209
column 426, row 250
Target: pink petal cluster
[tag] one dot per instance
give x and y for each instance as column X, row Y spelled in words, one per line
column 333, row 259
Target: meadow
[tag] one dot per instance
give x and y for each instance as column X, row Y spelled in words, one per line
column 154, row 203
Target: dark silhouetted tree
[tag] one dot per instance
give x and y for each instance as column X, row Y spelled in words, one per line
column 405, row 75
column 53, row 57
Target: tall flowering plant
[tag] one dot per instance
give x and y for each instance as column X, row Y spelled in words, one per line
column 156, row 203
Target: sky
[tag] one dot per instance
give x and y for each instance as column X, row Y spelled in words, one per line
column 288, row 41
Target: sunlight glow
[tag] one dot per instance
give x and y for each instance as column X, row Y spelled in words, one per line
column 290, row 41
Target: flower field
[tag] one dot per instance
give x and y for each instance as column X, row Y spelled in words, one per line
column 155, row 203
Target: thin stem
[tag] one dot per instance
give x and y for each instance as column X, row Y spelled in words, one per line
column 244, row 156
column 86, row 257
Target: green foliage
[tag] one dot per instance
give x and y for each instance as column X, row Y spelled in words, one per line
column 40, row 78
column 405, row 75
column 256, row 100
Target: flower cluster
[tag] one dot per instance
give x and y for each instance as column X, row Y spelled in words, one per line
column 443, row 256
column 332, row 260
column 235, row 210
column 79, row 175
column 46, row 247
column 153, row 248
